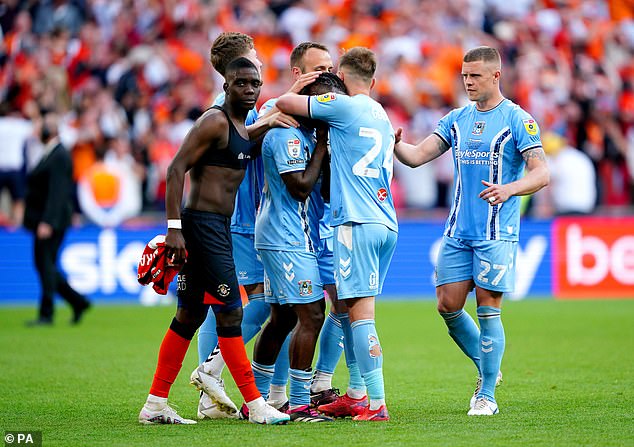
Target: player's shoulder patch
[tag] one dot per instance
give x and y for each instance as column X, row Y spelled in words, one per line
column 531, row 126
column 294, row 147
column 326, row 97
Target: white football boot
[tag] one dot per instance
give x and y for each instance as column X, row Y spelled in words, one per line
column 164, row 415
column 207, row 409
column 262, row 413
column 498, row 381
column 483, row 407
column 215, row 389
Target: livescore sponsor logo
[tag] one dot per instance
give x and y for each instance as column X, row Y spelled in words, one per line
column 594, row 258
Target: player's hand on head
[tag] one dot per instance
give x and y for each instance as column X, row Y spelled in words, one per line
column 280, row 119
column 303, row 81
column 175, row 247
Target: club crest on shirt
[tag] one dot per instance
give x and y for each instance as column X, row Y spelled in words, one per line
column 531, row 126
column 381, row 194
column 326, row 97
column 478, row 128
column 305, row 287
column 294, row 148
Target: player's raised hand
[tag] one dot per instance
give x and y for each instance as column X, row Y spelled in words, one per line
column 175, row 246
column 495, row 194
column 303, row 81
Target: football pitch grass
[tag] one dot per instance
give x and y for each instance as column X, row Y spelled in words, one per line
column 568, row 381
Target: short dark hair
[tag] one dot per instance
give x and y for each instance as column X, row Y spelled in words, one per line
column 326, row 79
column 301, row 49
column 238, row 63
column 485, row 54
column 227, row 47
column 361, row 61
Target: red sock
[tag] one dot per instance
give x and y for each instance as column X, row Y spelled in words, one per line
column 170, row 359
column 235, row 356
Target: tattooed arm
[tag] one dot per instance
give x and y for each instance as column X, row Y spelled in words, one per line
column 537, row 176
column 415, row 155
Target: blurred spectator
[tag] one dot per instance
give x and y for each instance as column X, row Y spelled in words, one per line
column 572, row 188
column 417, row 186
column 297, row 21
column 110, row 192
column 14, row 131
column 161, row 151
column 60, row 14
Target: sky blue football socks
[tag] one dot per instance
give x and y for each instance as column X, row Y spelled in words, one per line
column 367, row 350
column 492, row 348
column 465, row 333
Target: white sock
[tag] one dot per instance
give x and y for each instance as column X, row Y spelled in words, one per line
column 322, row 381
column 375, row 404
column 355, row 394
column 277, row 393
column 155, row 403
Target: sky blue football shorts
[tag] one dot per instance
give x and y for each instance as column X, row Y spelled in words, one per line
column 362, row 255
column 491, row 264
column 292, row 277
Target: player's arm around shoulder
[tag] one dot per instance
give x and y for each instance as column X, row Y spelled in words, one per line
column 293, row 104
column 268, row 119
column 415, row 155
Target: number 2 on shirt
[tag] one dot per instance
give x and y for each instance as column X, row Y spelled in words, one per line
column 361, row 168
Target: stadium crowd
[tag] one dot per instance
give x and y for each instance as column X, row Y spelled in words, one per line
column 130, row 77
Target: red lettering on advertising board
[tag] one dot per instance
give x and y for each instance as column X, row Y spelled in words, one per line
column 593, row 257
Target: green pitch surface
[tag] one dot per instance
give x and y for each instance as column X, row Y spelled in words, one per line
column 568, row 381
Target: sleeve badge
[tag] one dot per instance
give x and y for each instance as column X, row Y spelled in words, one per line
column 327, row 97
column 294, row 148
column 531, row 126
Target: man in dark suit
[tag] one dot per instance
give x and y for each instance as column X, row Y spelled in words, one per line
column 48, row 212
